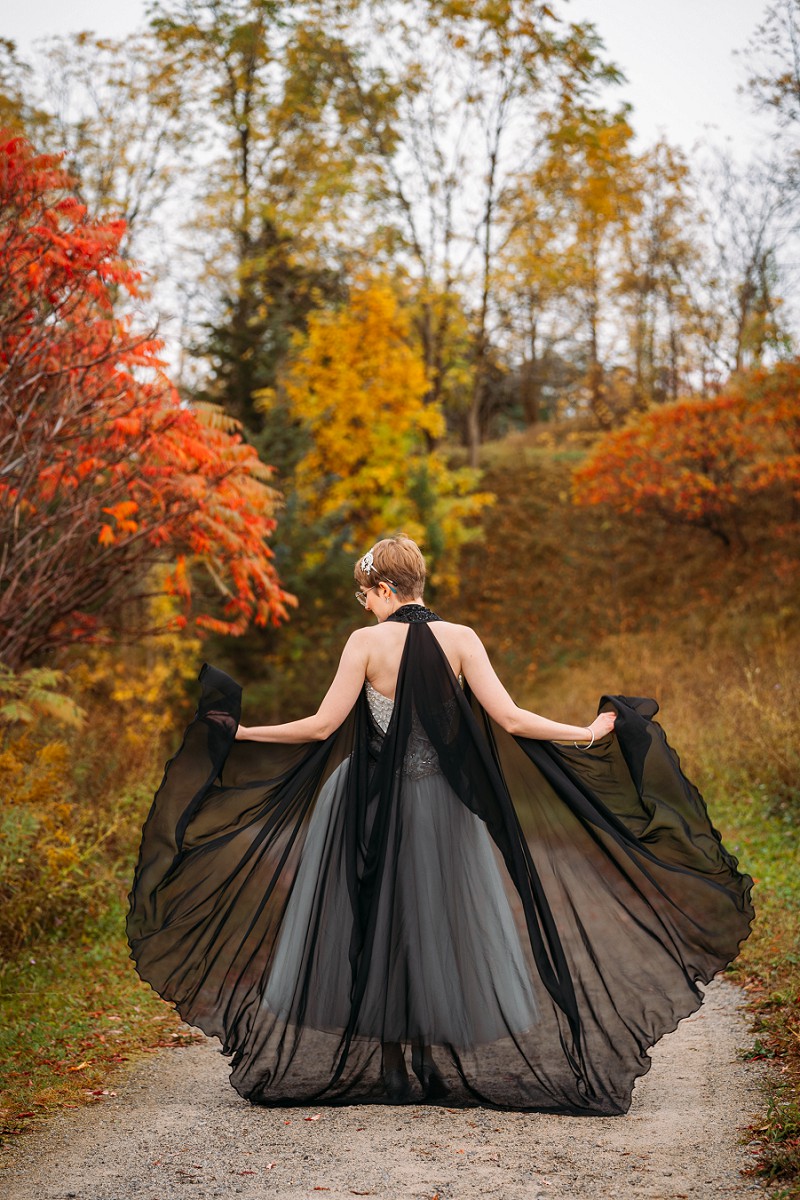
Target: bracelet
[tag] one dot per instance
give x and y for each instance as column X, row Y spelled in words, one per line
column 591, row 743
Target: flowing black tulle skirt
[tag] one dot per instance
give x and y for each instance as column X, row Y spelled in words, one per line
column 540, row 915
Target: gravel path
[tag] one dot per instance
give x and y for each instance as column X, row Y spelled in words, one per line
column 176, row 1129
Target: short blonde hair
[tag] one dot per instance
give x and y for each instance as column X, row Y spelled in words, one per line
column 398, row 560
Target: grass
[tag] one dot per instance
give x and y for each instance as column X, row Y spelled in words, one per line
column 70, row 1016
column 769, row 968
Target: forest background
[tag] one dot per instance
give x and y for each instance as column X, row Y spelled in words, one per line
column 278, row 279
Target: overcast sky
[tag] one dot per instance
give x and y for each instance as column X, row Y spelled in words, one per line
column 677, row 55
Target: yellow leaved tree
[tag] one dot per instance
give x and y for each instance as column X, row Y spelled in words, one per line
column 357, row 387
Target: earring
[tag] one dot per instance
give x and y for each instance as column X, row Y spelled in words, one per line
column 387, row 599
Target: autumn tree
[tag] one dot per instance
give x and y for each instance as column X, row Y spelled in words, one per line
column 119, row 114
column 358, row 388
column 773, row 64
column 282, row 150
column 478, row 90
column 752, row 212
column 659, row 252
column 22, row 108
column 111, row 489
column 750, row 219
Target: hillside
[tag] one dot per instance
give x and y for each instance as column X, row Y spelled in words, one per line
column 553, row 585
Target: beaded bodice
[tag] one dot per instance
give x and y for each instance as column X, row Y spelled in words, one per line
column 380, row 706
column 420, row 758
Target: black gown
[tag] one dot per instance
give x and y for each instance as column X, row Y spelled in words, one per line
column 539, row 914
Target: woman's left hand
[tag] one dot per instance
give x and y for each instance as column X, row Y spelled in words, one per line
column 603, row 724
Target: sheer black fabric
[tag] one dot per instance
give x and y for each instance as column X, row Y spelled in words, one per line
column 540, row 915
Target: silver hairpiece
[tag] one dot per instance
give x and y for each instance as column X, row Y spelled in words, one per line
column 368, row 563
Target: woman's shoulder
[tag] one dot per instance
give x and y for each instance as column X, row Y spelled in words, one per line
column 455, row 632
column 371, row 635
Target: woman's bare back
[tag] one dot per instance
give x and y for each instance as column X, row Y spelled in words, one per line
column 387, row 642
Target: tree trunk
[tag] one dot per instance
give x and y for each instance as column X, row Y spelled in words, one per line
column 474, row 415
column 531, row 391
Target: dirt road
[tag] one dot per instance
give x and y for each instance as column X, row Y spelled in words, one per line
column 176, row 1129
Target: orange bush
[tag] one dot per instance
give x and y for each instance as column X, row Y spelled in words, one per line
column 698, row 462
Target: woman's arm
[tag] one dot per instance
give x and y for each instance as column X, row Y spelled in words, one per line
column 339, row 699
column 489, row 691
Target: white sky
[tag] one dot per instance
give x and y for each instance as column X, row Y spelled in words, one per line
column 677, row 55
column 29, row 19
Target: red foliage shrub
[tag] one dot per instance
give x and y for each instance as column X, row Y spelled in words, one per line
column 104, row 474
column 699, row 462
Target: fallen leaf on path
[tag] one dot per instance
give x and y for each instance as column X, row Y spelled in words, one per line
column 316, row 1117
column 80, row 1067
column 269, row 1166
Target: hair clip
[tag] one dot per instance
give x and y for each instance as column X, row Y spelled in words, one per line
column 368, row 563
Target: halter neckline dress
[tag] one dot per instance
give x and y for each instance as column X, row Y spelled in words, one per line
column 539, row 914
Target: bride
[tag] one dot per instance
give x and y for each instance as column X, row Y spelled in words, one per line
column 524, row 905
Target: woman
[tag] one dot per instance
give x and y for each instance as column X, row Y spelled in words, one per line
column 525, row 904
